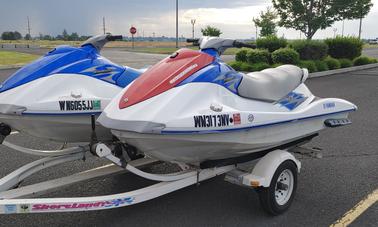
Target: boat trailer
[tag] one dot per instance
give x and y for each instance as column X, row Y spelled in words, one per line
column 275, row 173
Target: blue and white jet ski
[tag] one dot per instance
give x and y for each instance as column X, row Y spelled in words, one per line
column 55, row 96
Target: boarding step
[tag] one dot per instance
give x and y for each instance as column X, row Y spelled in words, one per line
column 333, row 123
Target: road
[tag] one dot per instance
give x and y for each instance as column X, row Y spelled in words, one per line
column 327, row 188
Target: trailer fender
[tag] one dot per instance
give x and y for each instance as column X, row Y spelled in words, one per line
column 265, row 168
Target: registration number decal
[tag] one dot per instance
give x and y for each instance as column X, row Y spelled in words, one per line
column 221, row 120
column 79, row 105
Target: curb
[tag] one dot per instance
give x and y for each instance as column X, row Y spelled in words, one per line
column 10, row 67
column 344, row 70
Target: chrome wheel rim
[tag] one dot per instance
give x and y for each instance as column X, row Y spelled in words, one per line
column 284, row 187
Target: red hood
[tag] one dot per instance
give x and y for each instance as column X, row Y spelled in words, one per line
column 165, row 75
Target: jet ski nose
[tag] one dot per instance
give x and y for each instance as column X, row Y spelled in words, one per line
column 11, row 109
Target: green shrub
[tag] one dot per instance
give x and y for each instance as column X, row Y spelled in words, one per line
column 258, row 56
column 246, row 67
column 332, row 63
column 344, row 47
column 285, row 56
column 345, row 63
column 276, row 65
column 310, row 49
column 241, row 55
column 310, row 65
column 235, row 65
column 321, row 66
column 271, row 43
column 260, row 66
column 363, row 60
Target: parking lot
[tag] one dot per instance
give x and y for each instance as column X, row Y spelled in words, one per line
column 327, row 188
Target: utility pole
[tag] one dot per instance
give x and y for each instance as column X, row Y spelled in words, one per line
column 342, row 31
column 103, row 25
column 255, row 27
column 193, row 22
column 177, row 38
column 256, row 31
column 29, row 27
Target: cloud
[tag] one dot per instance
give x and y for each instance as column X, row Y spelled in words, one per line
column 225, row 16
column 234, row 18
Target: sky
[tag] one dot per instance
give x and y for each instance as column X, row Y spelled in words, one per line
column 234, row 18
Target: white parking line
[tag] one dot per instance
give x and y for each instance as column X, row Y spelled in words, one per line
column 357, row 210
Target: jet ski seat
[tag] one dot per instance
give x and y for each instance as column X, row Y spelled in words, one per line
column 272, row 84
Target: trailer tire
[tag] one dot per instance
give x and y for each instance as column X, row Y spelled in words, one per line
column 277, row 198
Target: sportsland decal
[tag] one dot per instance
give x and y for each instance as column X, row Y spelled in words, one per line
column 48, row 207
column 83, row 206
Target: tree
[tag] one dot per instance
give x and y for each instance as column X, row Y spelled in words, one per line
column 65, row 35
column 74, row 37
column 308, row 16
column 17, row 35
column 7, row 36
column 267, row 22
column 211, row 31
column 11, row 35
column 27, row 37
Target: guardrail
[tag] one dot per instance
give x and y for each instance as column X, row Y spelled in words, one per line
column 18, row 46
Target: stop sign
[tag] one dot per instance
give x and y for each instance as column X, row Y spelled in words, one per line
column 133, row 30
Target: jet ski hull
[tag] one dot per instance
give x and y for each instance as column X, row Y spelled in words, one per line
column 171, row 127
column 196, row 148
column 61, row 111
column 69, row 128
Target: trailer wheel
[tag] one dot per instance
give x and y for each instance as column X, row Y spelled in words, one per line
column 277, row 198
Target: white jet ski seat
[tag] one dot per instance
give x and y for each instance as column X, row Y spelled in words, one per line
column 272, row 84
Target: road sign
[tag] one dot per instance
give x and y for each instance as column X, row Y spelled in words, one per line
column 133, row 30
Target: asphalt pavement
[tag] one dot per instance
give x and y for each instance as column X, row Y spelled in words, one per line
column 327, row 187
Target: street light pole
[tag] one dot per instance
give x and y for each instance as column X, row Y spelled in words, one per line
column 360, row 29
column 193, row 22
column 177, row 24
column 334, row 32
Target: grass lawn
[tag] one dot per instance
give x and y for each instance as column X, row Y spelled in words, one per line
column 15, row 58
column 369, row 46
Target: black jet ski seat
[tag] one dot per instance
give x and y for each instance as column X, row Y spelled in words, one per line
column 272, row 84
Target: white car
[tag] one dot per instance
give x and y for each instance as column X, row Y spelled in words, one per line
column 373, row 41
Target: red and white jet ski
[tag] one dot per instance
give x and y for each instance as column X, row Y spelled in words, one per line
column 196, row 109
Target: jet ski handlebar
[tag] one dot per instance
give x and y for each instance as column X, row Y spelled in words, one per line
column 196, row 42
column 238, row 44
column 114, row 37
column 99, row 41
